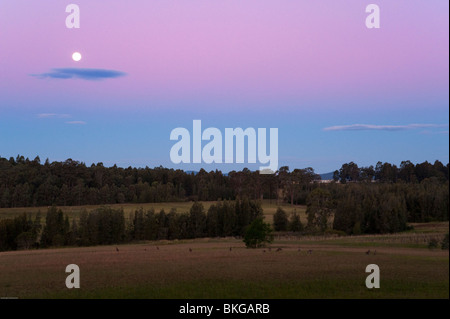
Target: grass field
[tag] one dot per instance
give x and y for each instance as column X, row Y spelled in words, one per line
column 167, row 269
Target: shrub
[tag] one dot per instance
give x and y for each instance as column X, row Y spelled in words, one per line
column 444, row 243
column 433, row 243
column 257, row 234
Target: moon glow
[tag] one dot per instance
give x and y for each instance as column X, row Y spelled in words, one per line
column 76, row 56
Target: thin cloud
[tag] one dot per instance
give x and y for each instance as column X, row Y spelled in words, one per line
column 366, row 127
column 76, row 122
column 83, row 74
column 52, row 115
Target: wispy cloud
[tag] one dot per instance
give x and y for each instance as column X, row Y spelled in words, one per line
column 52, row 115
column 76, row 122
column 60, row 116
column 83, row 74
column 362, row 127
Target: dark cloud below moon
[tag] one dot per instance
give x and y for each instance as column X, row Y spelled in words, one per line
column 83, row 74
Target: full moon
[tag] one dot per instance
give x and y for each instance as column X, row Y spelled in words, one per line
column 76, row 56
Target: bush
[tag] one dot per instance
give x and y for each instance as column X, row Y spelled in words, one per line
column 25, row 240
column 257, row 234
column 433, row 243
column 444, row 243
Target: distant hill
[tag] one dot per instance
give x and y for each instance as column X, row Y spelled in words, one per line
column 327, row 176
column 196, row 172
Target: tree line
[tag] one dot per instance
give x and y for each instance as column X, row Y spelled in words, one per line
column 353, row 208
column 105, row 225
column 389, row 173
column 25, row 182
column 360, row 208
column 388, row 208
column 379, row 199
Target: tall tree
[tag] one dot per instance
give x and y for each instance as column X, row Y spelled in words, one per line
column 319, row 208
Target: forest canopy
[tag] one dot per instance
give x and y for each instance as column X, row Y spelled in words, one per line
column 25, row 183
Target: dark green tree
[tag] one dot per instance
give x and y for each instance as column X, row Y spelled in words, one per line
column 173, row 225
column 319, row 209
column 295, row 224
column 55, row 231
column 150, row 225
column 212, row 222
column 258, row 234
column 197, row 220
column 280, row 220
column 444, row 243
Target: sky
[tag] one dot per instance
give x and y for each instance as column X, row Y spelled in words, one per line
column 336, row 90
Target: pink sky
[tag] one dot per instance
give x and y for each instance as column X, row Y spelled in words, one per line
column 255, row 50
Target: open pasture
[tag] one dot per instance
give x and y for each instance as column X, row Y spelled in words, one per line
column 224, row 268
